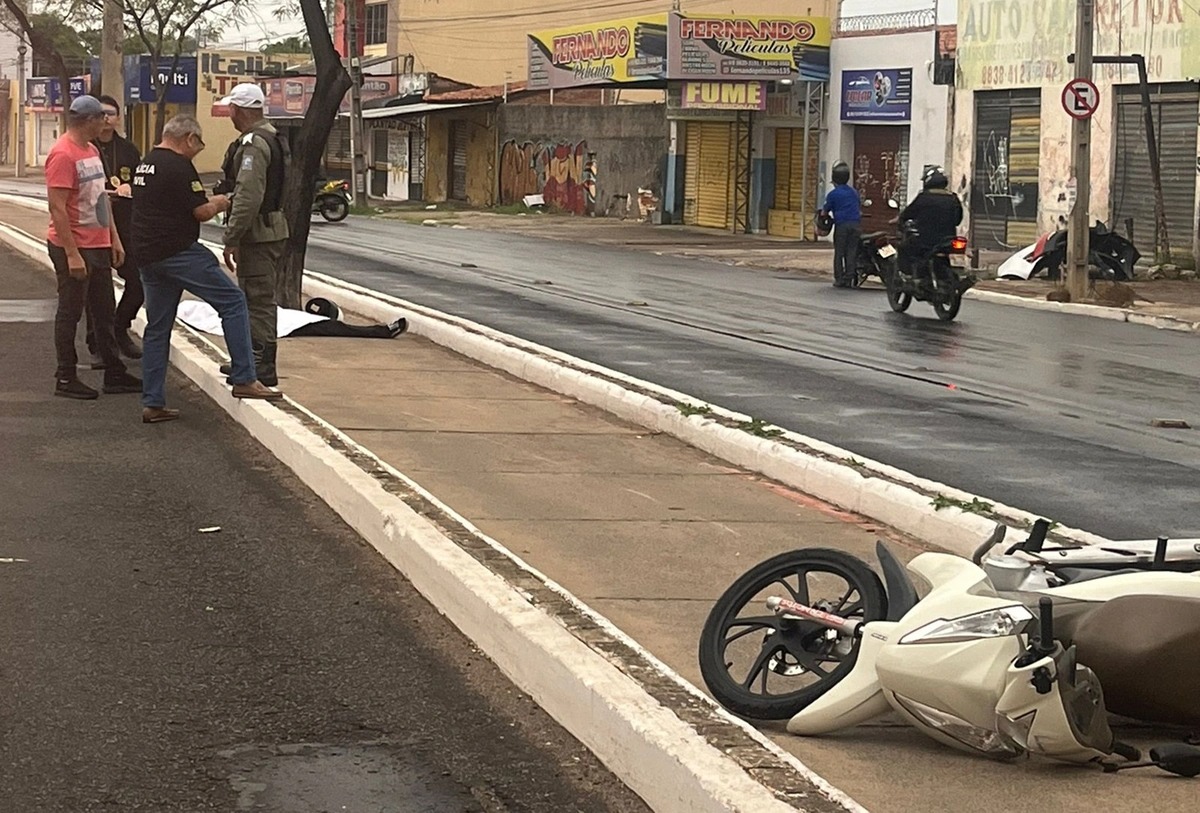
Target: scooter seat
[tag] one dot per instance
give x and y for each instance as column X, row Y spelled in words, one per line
column 873, row 236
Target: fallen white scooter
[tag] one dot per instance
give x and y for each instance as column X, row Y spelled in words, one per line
column 963, row 666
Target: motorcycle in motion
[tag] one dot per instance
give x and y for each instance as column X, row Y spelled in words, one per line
column 939, row 277
column 332, row 200
column 1023, row 651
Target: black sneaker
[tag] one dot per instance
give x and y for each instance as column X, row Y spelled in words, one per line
column 226, row 369
column 125, row 344
column 74, row 388
column 122, row 384
column 398, row 327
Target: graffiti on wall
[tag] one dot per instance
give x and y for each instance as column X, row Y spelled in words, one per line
column 553, row 169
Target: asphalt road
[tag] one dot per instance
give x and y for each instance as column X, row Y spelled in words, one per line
column 277, row 665
column 1046, row 412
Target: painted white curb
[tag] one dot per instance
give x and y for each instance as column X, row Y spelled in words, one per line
column 662, row 758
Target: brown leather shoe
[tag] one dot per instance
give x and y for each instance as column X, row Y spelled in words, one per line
column 255, row 389
column 159, row 415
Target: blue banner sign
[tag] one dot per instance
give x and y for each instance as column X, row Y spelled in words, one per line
column 877, row 95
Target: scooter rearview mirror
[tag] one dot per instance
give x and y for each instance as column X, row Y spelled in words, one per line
column 1177, row 758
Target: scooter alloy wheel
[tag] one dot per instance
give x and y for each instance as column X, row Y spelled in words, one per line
column 765, row 667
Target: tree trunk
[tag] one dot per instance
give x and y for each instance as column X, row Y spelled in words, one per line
column 308, row 151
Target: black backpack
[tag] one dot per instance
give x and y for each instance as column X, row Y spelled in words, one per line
column 281, row 159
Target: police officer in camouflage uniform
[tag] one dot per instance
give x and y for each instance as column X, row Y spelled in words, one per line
column 255, row 229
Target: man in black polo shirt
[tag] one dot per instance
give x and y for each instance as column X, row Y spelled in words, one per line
column 169, row 205
column 120, row 158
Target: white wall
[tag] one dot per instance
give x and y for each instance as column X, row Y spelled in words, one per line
column 931, row 118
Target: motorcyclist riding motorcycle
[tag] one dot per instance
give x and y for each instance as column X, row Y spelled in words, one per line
column 937, row 213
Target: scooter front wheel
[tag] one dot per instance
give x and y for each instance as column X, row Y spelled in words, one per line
column 764, row 667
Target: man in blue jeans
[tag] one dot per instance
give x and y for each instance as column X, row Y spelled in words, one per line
column 169, row 204
column 843, row 204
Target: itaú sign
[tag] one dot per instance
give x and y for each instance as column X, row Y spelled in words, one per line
column 724, row 96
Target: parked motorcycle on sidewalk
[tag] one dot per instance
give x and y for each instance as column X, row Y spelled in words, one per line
column 332, row 200
column 1008, row 653
column 940, row 277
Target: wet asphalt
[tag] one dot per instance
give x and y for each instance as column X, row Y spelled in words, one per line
column 1047, row 412
column 277, row 664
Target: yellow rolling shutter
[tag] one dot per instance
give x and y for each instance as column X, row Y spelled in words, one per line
column 715, row 199
column 795, row 206
column 691, row 173
column 708, row 177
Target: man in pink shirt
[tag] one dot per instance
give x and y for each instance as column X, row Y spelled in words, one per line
column 84, row 247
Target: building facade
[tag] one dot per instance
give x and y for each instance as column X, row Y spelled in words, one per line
column 887, row 118
column 1011, row 146
column 483, row 43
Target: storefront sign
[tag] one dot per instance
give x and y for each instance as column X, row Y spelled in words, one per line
column 290, row 96
column 748, row 47
column 44, row 93
column 1025, row 43
column 181, row 88
column 620, row 52
column 221, row 70
column 724, row 96
column 881, row 95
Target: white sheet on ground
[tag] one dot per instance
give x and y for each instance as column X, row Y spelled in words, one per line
column 203, row 317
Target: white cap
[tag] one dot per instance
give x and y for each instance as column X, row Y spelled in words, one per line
column 246, row 94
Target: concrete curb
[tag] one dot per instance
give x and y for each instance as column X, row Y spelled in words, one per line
column 1079, row 309
column 637, row 715
column 883, row 493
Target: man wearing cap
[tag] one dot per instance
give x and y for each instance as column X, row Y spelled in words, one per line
column 256, row 230
column 84, row 247
column 120, row 158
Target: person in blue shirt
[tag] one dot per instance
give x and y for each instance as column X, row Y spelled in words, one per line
column 842, row 204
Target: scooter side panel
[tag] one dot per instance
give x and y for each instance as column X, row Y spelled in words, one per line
column 857, row 698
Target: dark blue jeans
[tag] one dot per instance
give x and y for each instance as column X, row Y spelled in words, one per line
column 197, row 271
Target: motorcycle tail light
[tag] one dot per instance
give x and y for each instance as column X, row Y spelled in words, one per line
column 958, row 245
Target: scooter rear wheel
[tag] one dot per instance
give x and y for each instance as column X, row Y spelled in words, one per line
column 948, row 308
column 333, row 208
column 791, row 663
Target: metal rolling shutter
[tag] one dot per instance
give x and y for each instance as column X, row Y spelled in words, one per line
column 1004, row 193
column 691, row 172
column 714, row 194
column 1176, row 109
column 458, row 161
column 795, row 192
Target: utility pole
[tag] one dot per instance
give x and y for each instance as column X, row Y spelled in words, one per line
column 356, row 121
column 1081, row 160
column 112, row 38
column 22, row 50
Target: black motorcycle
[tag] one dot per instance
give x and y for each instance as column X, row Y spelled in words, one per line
column 876, row 258
column 332, row 200
column 938, row 277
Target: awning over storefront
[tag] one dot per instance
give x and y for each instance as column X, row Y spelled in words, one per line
column 418, row 109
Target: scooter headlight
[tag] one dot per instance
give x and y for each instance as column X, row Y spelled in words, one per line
column 998, row 623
